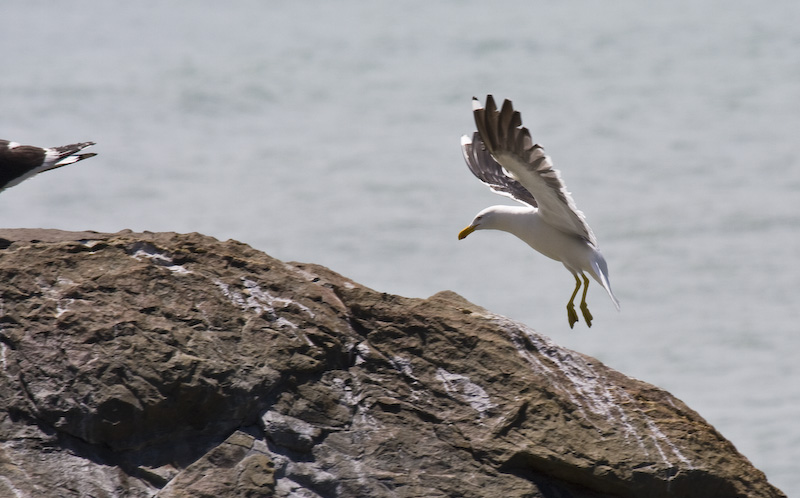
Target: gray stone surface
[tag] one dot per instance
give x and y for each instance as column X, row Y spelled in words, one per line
column 158, row 364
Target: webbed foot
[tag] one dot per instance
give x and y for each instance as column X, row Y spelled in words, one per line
column 572, row 316
column 586, row 315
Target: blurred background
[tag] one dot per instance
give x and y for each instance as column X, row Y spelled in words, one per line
column 329, row 133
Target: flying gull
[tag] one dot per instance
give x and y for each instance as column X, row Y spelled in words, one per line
column 503, row 156
column 20, row 162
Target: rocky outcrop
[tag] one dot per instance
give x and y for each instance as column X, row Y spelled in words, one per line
column 159, row 364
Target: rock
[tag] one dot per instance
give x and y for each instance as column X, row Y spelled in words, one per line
column 234, row 468
column 159, row 364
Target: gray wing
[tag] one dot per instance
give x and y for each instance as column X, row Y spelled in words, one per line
column 510, row 144
column 486, row 169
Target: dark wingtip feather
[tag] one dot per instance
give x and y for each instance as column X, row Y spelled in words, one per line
column 490, row 105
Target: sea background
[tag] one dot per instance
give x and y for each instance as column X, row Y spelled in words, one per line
column 328, row 132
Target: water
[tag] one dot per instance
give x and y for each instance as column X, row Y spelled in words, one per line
column 329, row 133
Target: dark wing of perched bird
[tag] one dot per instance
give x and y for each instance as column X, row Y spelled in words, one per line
column 20, row 162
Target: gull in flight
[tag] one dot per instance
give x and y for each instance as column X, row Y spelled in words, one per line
column 20, row 162
column 503, row 156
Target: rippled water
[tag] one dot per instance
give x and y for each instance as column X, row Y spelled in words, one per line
column 329, row 133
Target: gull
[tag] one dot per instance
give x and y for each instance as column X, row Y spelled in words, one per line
column 503, row 156
column 20, row 162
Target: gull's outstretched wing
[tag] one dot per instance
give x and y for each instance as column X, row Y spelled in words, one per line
column 486, row 169
column 19, row 162
column 510, row 144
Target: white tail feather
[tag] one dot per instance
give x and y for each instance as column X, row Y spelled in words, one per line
column 600, row 273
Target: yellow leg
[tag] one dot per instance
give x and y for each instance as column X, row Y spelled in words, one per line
column 571, row 315
column 584, row 308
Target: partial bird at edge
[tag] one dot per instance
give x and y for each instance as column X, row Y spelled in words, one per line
column 20, row 162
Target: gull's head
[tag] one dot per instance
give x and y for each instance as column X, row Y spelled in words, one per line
column 488, row 219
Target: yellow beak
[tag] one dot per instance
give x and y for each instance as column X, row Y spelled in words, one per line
column 463, row 233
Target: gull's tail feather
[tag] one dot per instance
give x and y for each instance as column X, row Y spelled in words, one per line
column 600, row 273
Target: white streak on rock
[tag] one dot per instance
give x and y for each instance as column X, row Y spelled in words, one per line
column 255, row 299
column 233, row 296
column 55, row 292
column 161, row 259
column 660, row 436
column 589, row 390
column 282, row 322
column 363, row 423
column 466, row 390
column 403, row 366
column 10, row 485
column 60, row 310
column 362, row 352
column 260, row 298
